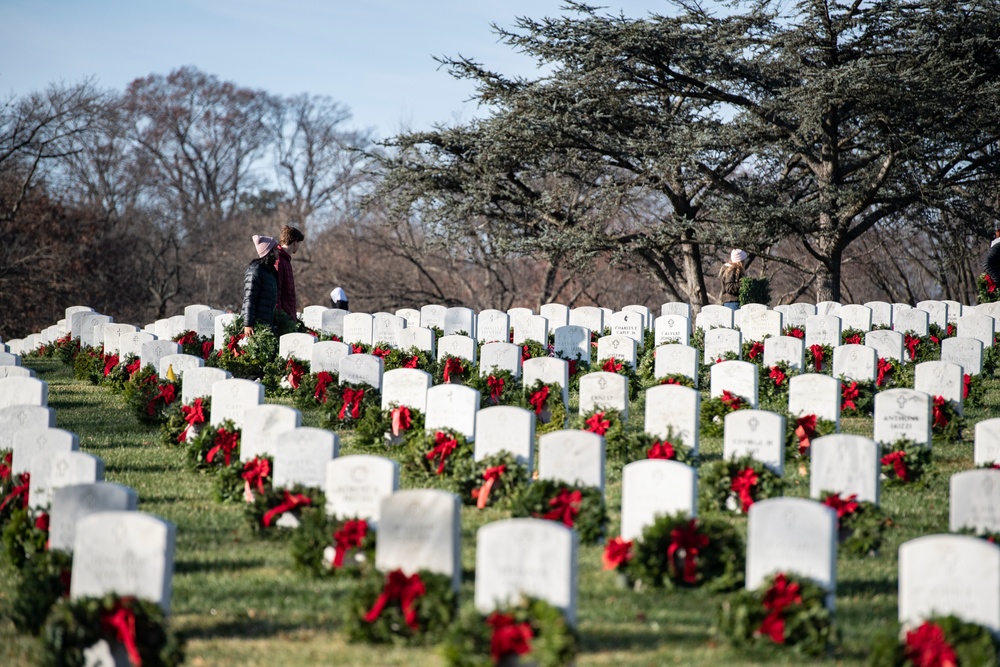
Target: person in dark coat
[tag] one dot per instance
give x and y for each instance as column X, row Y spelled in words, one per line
column 991, row 265
column 260, row 285
column 291, row 239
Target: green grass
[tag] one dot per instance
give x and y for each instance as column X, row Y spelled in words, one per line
column 238, row 601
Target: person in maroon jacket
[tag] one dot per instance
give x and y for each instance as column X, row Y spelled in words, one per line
column 290, row 240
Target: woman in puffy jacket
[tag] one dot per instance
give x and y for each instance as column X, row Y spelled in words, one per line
column 260, row 285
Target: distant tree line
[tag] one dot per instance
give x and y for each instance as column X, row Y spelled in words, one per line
column 853, row 149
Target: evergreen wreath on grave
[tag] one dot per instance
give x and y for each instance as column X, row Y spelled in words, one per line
column 452, row 370
column 13, row 490
column 604, row 422
column 735, row 484
column 676, row 551
column 349, row 404
column 248, row 357
column 44, row 580
column 639, row 445
column 886, row 372
column 117, row 371
column 936, row 334
column 265, row 510
column 939, row 640
column 773, row 383
column 646, row 364
column 493, row 482
column 715, row 409
column 66, row 348
column 195, row 345
column 905, row 462
column 973, row 390
column 24, row 536
column 412, row 357
column 401, row 423
column 546, row 399
column 753, row 351
column 986, row 289
column 532, row 349
column 315, row 390
column 800, row 431
column 88, row 365
column 787, row 610
column 673, row 378
column 391, row 607
column 181, row 420
column 992, row 538
column 149, row 397
column 575, row 506
column 857, row 399
column 577, row 369
column 860, row 524
column 352, row 540
column 613, row 365
column 532, row 630
column 793, row 331
column 852, row 337
column 215, row 446
column 76, row 625
column 991, row 356
column 820, row 357
column 285, row 375
column 498, row 387
column 434, row 460
column 242, row 481
column 947, row 423
column 920, row 348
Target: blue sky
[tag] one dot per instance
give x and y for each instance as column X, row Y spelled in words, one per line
column 375, row 56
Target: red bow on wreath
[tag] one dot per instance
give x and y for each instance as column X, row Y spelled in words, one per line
column 207, row 348
column 412, row 362
column 323, row 378
column 661, row 450
column 782, row 594
column 940, row 415
column 401, row 420
column 399, row 587
column 42, row 523
column 756, row 348
column 495, row 386
column 168, row 392
column 482, row 494
column 927, row 647
column 853, row 340
column 525, row 353
column 898, row 462
column 596, row 423
column 444, row 445
column 805, row 429
column 884, row 367
column 508, row 637
column 233, row 344
column 349, row 537
column 453, row 366
column 290, row 502
column 224, row 441
column 817, row 353
column 5, row 466
column 352, row 401
column 797, row 333
column 538, row 399
column 19, row 490
column 254, row 473
column 777, row 375
column 849, row 394
column 132, row 368
column 843, row 506
column 911, row 342
column 295, row 373
column 732, row 401
column 687, row 541
column 743, row 484
column 381, row 352
column 966, row 385
column 566, row 505
column 193, row 414
column 616, row 552
column 357, row 348
column 990, row 285
column 120, row 624
column 110, row 361
column 612, row 365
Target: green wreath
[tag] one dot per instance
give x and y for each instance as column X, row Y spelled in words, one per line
column 215, row 441
column 433, row 460
column 76, row 625
column 860, row 524
column 639, row 445
column 753, row 351
column 89, row 365
column 715, row 409
column 510, row 389
column 310, row 395
column 460, row 370
column 660, row 558
column 263, row 513
column 9, row 483
column 800, row 431
column 497, row 479
column 317, row 532
column 230, row 486
column 604, row 422
column 546, row 399
column 820, row 357
column 148, row 396
column 344, row 411
column 805, row 624
column 793, row 331
column 857, row 399
column 646, row 366
column 115, row 373
column 623, row 369
column 852, row 337
column 193, row 344
column 256, row 358
column 532, row 349
column 284, row 376
column 920, row 348
column 578, row 507
column 66, row 349
column 719, row 485
column 947, row 424
column 24, row 536
column 973, row 390
column 969, row 643
column 905, row 462
column 175, row 426
column 412, row 357
column 986, row 289
column 431, row 613
column 773, row 382
column 375, row 425
column 44, row 580
column 672, row 378
column 541, row 635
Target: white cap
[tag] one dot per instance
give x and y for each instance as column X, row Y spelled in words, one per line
column 338, row 294
column 737, row 255
column 995, row 241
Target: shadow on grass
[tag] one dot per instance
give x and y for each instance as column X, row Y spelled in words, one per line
column 640, row 638
column 248, row 629
column 191, row 567
column 866, row 587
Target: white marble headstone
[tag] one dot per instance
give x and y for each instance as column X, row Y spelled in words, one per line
column 419, row 530
column 758, row 434
column 506, row 428
column 656, row 487
column 571, row 456
column 845, row 464
column 356, row 485
column 674, row 410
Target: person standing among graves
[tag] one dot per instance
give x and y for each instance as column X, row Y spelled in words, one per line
column 732, row 272
column 260, row 285
column 289, row 245
column 339, row 298
column 991, row 265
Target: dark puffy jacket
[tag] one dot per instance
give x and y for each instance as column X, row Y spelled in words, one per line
column 260, row 294
column 991, row 264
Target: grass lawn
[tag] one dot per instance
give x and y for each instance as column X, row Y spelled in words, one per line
column 238, row 601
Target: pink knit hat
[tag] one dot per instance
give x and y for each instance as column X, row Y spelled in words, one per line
column 264, row 244
column 737, row 255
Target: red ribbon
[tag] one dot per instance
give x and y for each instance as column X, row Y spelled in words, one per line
column 780, row 595
column 990, row 285
column 193, row 414
column 482, row 494
column 898, row 462
column 777, row 375
column 805, row 429
column 233, row 344
column 349, row 537
column 291, row 501
column 927, row 647
column 732, row 401
column 254, row 473
column 797, row 333
column 612, row 365
column 940, row 416
column 5, row 467
column 849, row 394
column 670, row 381
column 756, row 348
column 21, row 489
column 323, row 378
column 688, row 541
column 495, row 385
column 444, row 445
column 381, row 352
column 538, row 399
column 966, row 385
column 843, row 506
column 817, row 352
column 525, row 353
column 412, row 362
column 661, row 450
column 566, row 505
column 399, row 587
column 401, row 420
column 616, row 552
column 110, row 361
column 187, row 338
column 743, row 484
column 42, row 522
column 168, row 392
column 853, row 340
column 884, row 367
column 296, row 371
column 224, row 441
column 120, row 624
column 133, row 368
column 596, row 423
column 508, row 637
column 911, row 342
column 207, row 348
column 357, row 348
column 573, row 363
column 352, row 401
column 453, row 365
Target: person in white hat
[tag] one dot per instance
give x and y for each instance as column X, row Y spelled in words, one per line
column 731, row 273
column 339, row 298
column 260, row 285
